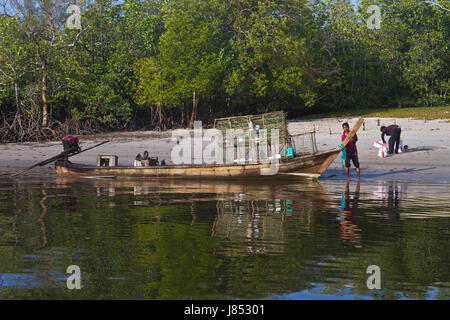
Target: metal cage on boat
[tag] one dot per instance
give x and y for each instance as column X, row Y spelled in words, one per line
column 304, row 143
column 257, row 130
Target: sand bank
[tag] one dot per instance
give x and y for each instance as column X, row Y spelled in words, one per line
column 428, row 157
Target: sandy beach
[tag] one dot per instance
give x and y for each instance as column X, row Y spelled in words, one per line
column 426, row 160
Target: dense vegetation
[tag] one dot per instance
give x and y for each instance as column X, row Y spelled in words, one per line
column 160, row 64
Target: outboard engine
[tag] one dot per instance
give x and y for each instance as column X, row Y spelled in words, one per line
column 70, row 144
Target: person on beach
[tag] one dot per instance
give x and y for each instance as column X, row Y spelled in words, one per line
column 350, row 151
column 394, row 132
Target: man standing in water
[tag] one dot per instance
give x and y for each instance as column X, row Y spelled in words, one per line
column 350, row 151
column 394, row 131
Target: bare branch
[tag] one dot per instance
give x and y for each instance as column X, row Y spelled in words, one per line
column 5, row 74
column 76, row 38
column 436, row 4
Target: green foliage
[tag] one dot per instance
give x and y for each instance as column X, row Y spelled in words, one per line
column 191, row 58
column 13, row 58
column 235, row 57
column 271, row 58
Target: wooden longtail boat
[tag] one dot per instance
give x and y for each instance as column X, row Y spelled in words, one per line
column 310, row 166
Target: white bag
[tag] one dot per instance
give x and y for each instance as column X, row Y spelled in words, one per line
column 400, row 148
column 382, row 149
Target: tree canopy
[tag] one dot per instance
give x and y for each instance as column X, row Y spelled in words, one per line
column 161, row 64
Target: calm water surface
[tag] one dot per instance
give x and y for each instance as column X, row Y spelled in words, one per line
column 169, row 239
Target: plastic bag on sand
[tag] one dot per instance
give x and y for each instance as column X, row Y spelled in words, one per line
column 382, row 149
column 400, row 146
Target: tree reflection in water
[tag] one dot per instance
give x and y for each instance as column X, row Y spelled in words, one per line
column 216, row 239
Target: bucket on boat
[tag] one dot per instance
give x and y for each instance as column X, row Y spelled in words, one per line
column 289, row 152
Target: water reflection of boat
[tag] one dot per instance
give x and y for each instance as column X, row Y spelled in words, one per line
column 260, row 224
column 251, row 212
column 311, row 191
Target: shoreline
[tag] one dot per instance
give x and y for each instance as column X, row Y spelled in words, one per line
column 427, row 159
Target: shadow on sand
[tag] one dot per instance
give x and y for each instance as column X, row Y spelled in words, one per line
column 423, row 148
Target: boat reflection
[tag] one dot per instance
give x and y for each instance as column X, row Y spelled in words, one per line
column 251, row 212
column 260, row 224
column 286, row 188
column 256, row 213
column 181, row 238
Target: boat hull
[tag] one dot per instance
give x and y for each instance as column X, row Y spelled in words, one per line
column 311, row 166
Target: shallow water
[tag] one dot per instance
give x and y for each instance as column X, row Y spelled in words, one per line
column 181, row 239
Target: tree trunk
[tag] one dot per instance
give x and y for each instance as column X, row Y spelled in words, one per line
column 16, row 92
column 160, row 115
column 353, row 73
column 182, row 115
column 44, row 95
column 194, row 110
column 151, row 115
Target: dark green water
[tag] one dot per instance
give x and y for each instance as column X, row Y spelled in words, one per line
column 222, row 240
